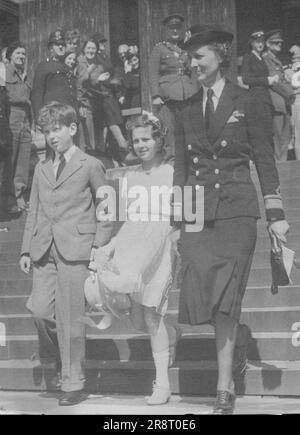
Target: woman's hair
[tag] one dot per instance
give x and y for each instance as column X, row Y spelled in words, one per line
column 224, row 50
column 56, row 113
column 12, row 47
column 147, row 119
column 90, row 40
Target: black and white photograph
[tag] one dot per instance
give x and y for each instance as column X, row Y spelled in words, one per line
column 149, row 210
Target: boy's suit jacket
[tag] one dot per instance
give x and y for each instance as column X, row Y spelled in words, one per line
column 64, row 210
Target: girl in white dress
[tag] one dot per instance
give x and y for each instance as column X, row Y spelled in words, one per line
column 141, row 257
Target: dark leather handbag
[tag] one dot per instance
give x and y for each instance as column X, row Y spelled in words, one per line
column 279, row 273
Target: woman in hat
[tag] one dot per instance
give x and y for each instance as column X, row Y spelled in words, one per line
column 141, row 256
column 218, row 131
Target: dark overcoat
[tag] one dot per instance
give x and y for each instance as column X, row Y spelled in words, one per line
column 53, row 81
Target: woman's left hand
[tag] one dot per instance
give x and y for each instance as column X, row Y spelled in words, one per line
column 280, row 229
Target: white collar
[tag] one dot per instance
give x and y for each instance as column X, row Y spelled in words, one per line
column 217, row 88
column 68, row 154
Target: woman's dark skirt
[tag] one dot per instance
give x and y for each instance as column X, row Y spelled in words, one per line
column 216, row 264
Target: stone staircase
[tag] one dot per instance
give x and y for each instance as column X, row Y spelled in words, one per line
column 119, row 359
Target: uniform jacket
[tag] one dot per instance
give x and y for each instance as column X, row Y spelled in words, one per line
column 5, row 133
column 255, row 74
column 64, row 210
column 169, row 73
column 219, row 160
column 282, row 91
column 53, row 81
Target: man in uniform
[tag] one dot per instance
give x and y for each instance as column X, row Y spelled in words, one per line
column 281, row 94
column 170, row 76
column 53, row 80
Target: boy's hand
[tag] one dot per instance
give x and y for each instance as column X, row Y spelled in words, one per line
column 25, row 263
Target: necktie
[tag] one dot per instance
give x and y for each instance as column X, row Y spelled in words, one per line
column 209, row 109
column 62, row 164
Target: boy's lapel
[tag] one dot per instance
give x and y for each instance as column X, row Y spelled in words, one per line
column 47, row 169
column 71, row 167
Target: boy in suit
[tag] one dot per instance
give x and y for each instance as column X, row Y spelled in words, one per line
column 60, row 235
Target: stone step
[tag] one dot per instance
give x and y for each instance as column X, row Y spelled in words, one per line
column 274, row 378
column 195, row 346
column 262, row 319
column 254, row 297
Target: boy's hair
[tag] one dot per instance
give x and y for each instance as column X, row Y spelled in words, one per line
column 56, row 113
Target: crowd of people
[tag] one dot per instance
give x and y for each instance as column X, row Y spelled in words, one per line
column 78, row 73
column 204, row 132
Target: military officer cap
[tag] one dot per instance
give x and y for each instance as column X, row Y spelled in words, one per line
column 274, row 36
column 173, row 20
column 99, row 37
column 207, row 35
column 56, row 38
column 257, row 34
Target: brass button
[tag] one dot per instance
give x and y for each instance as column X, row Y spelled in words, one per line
column 197, row 173
column 224, row 143
column 197, row 187
column 217, row 186
column 217, row 171
column 215, row 157
column 189, row 147
column 195, row 160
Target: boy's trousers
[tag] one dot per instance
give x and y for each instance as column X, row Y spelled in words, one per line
column 57, row 302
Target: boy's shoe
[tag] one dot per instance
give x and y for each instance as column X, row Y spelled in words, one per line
column 159, row 396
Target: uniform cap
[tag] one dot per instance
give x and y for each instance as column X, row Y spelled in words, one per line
column 257, row 34
column 56, row 37
column 274, row 36
column 173, row 20
column 207, row 35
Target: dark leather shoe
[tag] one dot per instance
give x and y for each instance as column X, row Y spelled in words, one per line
column 72, row 398
column 224, row 404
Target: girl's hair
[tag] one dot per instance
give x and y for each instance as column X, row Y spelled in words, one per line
column 68, row 54
column 147, row 119
column 12, row 47
column 90, row 40
column 56, row 113
column 224, row 50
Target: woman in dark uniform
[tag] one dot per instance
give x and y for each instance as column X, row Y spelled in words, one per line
column 255, row 74
column 218, row 131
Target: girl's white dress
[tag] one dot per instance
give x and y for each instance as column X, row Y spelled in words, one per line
column 143, row 258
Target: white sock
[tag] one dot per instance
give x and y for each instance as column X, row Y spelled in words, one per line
column 161, row 361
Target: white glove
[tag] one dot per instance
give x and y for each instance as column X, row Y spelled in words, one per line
column 280, row 229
